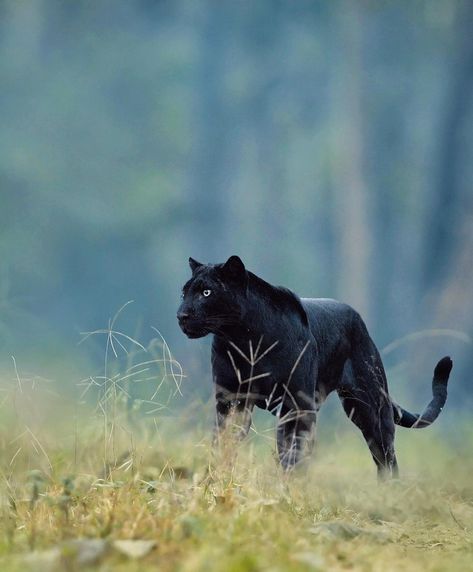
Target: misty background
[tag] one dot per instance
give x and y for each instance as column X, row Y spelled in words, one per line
column 328, row 143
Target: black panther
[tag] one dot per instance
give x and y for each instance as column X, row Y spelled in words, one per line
column 274, row 350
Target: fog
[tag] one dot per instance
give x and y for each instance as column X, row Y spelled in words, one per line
column 328, row 144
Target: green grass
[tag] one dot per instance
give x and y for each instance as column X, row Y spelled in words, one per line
column 115, row 468
column 234, row 512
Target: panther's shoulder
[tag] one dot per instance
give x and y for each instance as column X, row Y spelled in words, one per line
column 278, row 296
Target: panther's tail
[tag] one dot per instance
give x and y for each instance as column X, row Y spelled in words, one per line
column 433, row 409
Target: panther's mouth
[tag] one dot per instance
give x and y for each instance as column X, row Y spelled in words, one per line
column 193, row 334
column 193, row 331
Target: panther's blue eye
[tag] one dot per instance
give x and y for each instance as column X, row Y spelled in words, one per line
column 207, row 293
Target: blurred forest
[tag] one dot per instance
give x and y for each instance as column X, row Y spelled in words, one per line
column 328, row 143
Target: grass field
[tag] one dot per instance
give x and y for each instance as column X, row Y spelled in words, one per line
column 234, row 513
column 79, row 478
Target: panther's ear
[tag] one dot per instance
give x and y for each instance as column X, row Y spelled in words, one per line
column 234, row 269
column 194, row 264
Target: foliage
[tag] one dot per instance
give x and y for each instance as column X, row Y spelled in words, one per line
column 243, row 514
column 130, row 491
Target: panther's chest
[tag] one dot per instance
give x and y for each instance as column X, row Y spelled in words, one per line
column 266, row 373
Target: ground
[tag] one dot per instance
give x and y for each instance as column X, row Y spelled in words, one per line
column 205, row 511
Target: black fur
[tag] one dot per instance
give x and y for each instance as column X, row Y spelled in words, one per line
column 285, row 354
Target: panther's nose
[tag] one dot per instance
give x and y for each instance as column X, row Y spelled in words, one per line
column 182, row 316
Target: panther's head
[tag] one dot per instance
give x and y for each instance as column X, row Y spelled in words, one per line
column 211, row 299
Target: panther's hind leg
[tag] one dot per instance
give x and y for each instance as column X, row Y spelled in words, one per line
column 367, row 404
column 377, row 433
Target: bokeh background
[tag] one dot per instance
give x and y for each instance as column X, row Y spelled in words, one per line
column 328, row 143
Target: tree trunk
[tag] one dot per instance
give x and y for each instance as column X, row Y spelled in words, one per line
column 351, row 203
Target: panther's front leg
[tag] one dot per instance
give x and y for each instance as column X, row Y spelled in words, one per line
column 295, row 436
column 232, row 415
